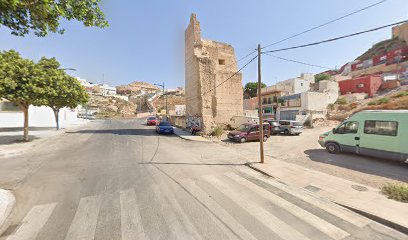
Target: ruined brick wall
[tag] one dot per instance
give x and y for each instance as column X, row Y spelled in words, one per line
column 208, row 65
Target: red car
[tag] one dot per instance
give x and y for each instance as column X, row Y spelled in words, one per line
column 151, row 121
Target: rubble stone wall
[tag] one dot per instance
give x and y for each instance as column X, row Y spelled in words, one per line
column 211, row 93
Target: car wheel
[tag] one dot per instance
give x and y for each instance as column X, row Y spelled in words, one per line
column 265, row 138
column 333, row 148
column 286, row 132
column 242, row 140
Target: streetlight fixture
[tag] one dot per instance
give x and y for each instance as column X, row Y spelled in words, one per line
column 164, row 97
column 68, row 69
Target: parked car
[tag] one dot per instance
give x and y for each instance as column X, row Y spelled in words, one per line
column 289, row 127
column 274, row 126
column 164, row 127
column 151, row 121
column 249, row 132
column 377, row 133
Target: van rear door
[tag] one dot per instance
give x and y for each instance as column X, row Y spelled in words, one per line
column 348, row 136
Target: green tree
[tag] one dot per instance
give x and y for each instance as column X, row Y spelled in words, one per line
column 61, row 90
column 251, row 89
column 42, row 17
column 19, row 83
column 321, row 76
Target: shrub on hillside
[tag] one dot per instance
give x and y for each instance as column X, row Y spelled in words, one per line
column 401, row 94
column 341, row 101
column 372, row 103
column 384, row 100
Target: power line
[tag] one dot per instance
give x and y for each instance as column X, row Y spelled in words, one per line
column 337, row 38
column 295, row 61
column 235, row 73
column 324, row 24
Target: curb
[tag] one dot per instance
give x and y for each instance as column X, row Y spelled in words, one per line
column 376, row 218
column 371, row 216
column 7, row 201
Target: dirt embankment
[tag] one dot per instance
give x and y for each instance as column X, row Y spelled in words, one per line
column 172, row 100
column 112, row 107
column 393, row 100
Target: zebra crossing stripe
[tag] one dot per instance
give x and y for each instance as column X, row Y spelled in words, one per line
column 131, row 221
column 279, row 227
column 33, row 222
column 171, row 199
column 327, row 206
column 224, row 216
column 324, row 226
column 84, row 223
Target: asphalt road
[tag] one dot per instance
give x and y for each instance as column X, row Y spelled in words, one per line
column 117, row 179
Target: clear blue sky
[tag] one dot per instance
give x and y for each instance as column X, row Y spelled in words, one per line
column 145, row 40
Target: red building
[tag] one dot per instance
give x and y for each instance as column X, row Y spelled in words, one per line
column 366, row 84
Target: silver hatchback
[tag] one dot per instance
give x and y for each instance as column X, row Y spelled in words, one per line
column 289, row 127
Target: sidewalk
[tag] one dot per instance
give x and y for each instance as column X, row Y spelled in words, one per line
column 187, row 136
column 11, row 144
column 347, row 193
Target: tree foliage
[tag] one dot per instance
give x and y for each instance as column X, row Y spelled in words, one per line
column 322, row 76
column 20, row 83
column 42, row 17
column 61, row 90
column 251, row 88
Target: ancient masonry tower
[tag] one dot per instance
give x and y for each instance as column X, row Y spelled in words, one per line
column 208, row 64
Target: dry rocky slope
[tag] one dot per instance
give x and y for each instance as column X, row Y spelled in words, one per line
column 395, row 99
column 112, row 107
column 135, row 87
column 382, row 48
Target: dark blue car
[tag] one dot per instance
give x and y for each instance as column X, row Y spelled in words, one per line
column 164, row 127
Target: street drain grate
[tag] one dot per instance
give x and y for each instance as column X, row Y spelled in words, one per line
column 312, row 188
column 359, row 188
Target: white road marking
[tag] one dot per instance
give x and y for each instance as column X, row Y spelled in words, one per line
column 131, row 221
column 33, row 222
column 327, row 206
column 171, row 199
column 221, row 213
column 84, row 224
column 279, row 227
column 324, row 226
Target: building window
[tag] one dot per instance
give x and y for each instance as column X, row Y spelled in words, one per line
column 269, row 100
column 264, row 100
column 275, row 99
column 221, row 61
column 361, row 85
column 301, row 84
column 388, row 128
column 348, row 127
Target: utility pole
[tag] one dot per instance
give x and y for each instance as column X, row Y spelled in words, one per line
column 261, row 135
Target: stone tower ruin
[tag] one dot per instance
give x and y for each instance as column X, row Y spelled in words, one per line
column 211, row 99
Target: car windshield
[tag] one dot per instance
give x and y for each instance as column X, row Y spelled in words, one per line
column 274, row 123
column 164, row 124
column 296, row 124
column 243, row 128
column 151, row 118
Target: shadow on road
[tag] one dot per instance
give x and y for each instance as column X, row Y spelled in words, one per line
column 193, row 164
column 20, row 129
column 140, row 132
column 12, row 139
column 374, row 166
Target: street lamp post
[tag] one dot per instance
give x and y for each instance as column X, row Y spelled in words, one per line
column 164, row 96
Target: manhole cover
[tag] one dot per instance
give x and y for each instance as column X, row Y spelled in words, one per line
column 312, row 188
column 359, row 188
